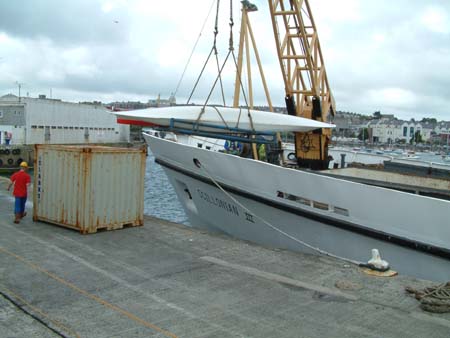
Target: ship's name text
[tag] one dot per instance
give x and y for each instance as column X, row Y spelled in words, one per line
column 231, row 208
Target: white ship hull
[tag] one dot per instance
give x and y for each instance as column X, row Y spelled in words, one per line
column 341, row 217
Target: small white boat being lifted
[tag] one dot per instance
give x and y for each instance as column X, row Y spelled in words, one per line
column 209, row 118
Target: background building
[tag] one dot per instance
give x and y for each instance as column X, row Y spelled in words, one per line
column 41, row 120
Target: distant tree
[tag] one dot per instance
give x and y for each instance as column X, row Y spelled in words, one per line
column 417, row 137
column 135, row 133
column 363, row 134
column 377, row 115
column 429, row 120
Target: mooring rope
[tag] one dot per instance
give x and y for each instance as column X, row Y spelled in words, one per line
column 433, row 299
column 323, row 252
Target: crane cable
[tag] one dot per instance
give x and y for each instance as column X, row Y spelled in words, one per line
column 220, row 70
column 193, row 48
column 216, row 31
column 230, row 48
column 213, row 50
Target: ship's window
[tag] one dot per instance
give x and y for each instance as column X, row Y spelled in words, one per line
column 304, row 201
column 53, row 127
column 341, row 211
column 33, row 127
column 1, row 114
column 290, row 197
column 319, row 205
column 208, row 148
column 199, row 145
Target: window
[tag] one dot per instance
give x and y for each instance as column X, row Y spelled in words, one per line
column 290, row 197
column 304, row 201
column 319, row 205
column 314, row 204
column 1, row 114
column 405, row 131
column 341, row 211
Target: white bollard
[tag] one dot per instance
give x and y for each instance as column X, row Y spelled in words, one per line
column 376, row 262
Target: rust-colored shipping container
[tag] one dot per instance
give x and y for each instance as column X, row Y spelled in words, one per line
column 89, row 187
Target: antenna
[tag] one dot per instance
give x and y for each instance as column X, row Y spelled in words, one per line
column 19, row 85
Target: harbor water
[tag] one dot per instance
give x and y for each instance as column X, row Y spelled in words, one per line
column 160, row 199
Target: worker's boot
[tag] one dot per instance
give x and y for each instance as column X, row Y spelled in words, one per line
column 17, row 219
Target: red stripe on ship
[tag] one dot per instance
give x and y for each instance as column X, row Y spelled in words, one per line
column 137, row 122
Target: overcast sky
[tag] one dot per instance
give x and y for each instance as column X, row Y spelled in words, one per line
column 386, row 55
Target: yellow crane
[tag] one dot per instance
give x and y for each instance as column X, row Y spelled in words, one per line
column 306, row 84
column 307, row 91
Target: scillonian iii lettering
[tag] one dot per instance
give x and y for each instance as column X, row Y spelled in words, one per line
column 231, row 208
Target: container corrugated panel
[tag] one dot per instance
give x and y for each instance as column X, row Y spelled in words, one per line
column 89, row 187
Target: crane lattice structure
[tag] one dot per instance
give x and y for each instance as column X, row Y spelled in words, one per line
column 307, row 89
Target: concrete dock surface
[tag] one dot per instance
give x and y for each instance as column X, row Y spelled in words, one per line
column 167, row 280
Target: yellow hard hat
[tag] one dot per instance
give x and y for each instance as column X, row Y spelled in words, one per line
column 24, row 164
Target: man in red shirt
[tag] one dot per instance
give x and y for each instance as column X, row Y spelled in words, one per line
column 21, row 180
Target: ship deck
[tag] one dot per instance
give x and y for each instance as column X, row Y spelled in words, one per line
column 407, row 182
column 167, row 280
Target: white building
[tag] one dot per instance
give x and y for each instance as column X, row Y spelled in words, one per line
column 42, row 120
column 391, row 130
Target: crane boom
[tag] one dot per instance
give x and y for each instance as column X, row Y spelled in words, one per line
column 306, row 84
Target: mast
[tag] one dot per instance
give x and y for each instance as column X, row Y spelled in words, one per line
column 246, row 36
column 306, row 83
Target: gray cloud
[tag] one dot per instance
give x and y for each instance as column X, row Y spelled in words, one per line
column 65, row 22
column 383, row 56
